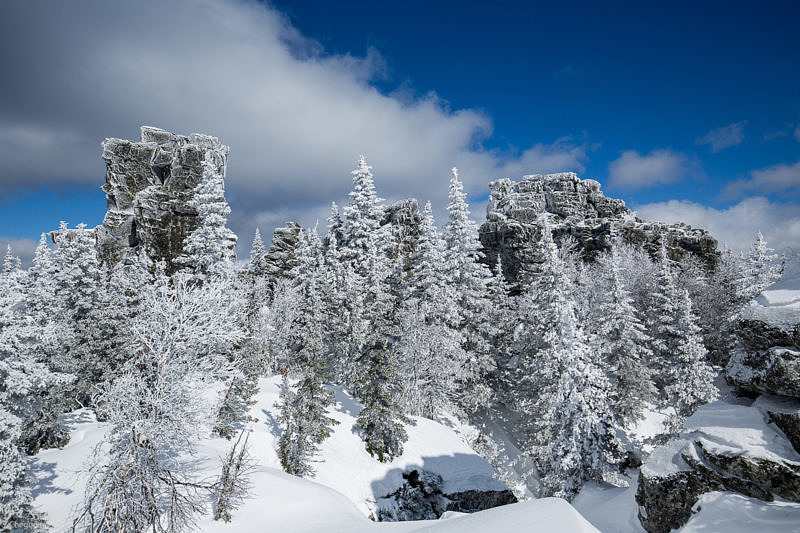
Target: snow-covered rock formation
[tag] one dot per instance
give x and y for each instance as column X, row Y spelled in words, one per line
column 149, row 190
column 581, row 210
column 747, row 444
column 725, row 446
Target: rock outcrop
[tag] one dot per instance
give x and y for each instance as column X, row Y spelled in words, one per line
column 767, row 357
column 579, row 209
column 149, row 191
column 749, row 444
column 421, row 497
column 724, row 447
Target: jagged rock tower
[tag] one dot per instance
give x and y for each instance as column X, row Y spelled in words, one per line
column 577, row 208
column 149, row 189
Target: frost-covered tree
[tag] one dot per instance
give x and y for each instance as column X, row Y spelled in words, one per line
column 361, row 221
column 680, row 371
column 623, row 347
column 250, row 357
column 278, row 326
column 11, row 263
column 142, row 477
column 690, row 379
column 303, row 416
column 91, row 312
column 559, row 389
column 664, row 334
column 429, row 348
column 379, row 384
column 210, row 248
column 23, row 378
column 304, row 407
column 763, row 268
column 582, row 445
column 431, row 361
column 468, row 278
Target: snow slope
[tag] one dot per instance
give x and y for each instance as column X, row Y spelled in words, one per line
column 339, row 498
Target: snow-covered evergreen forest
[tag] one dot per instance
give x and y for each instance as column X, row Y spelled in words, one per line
column 567, row 359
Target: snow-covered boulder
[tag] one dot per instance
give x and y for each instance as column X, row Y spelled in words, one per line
column 724, row 446
column 767, row 359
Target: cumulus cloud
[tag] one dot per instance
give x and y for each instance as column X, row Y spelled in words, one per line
column 780, row 178
column 294, row 116
column 736, row 225
column 633, row 170
column 724, row 137
column 22, row 248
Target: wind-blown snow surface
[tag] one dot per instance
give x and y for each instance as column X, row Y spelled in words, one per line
column 338, row 499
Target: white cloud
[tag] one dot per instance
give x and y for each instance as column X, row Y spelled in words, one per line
column 777, row 178
column 633, row 170
column 295, row 117
column 22, row 248
column 736, row 225
column 724, row 137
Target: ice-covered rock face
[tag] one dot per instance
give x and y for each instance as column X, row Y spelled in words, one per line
column 149, row 190
column 579, row 209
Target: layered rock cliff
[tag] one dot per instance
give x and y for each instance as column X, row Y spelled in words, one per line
column 579, row 209
column 149, row 191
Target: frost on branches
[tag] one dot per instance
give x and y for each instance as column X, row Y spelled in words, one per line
column 158, row 408
column 23, row 379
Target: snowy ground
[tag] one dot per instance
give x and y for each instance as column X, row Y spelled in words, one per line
column 338, row 499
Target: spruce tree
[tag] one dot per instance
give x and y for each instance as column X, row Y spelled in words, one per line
column 250, row 355
column 431, row 356
column 623, row 346
column 561, row 392
column 303, row 414
column 379, row 384
column 209, row 249
column 23, row 379
column 362, row 218
column 468, row 278
column 690, row 379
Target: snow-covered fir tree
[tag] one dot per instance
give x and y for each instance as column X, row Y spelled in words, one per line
column 690, row 379
column 468, row 278
column 362, row 220
column 558, row 386
column 623, row 344
column 379, row 384
column 303, row 415
column 92, row 311
column 679, row 357
column 250, row 290
column 23, row 379
column 210, row 248
column 763, row 268
column 430, row 352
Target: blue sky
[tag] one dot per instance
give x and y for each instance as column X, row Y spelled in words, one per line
column 684, row 111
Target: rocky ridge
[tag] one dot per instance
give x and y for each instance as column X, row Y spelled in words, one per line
column 577, row 209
